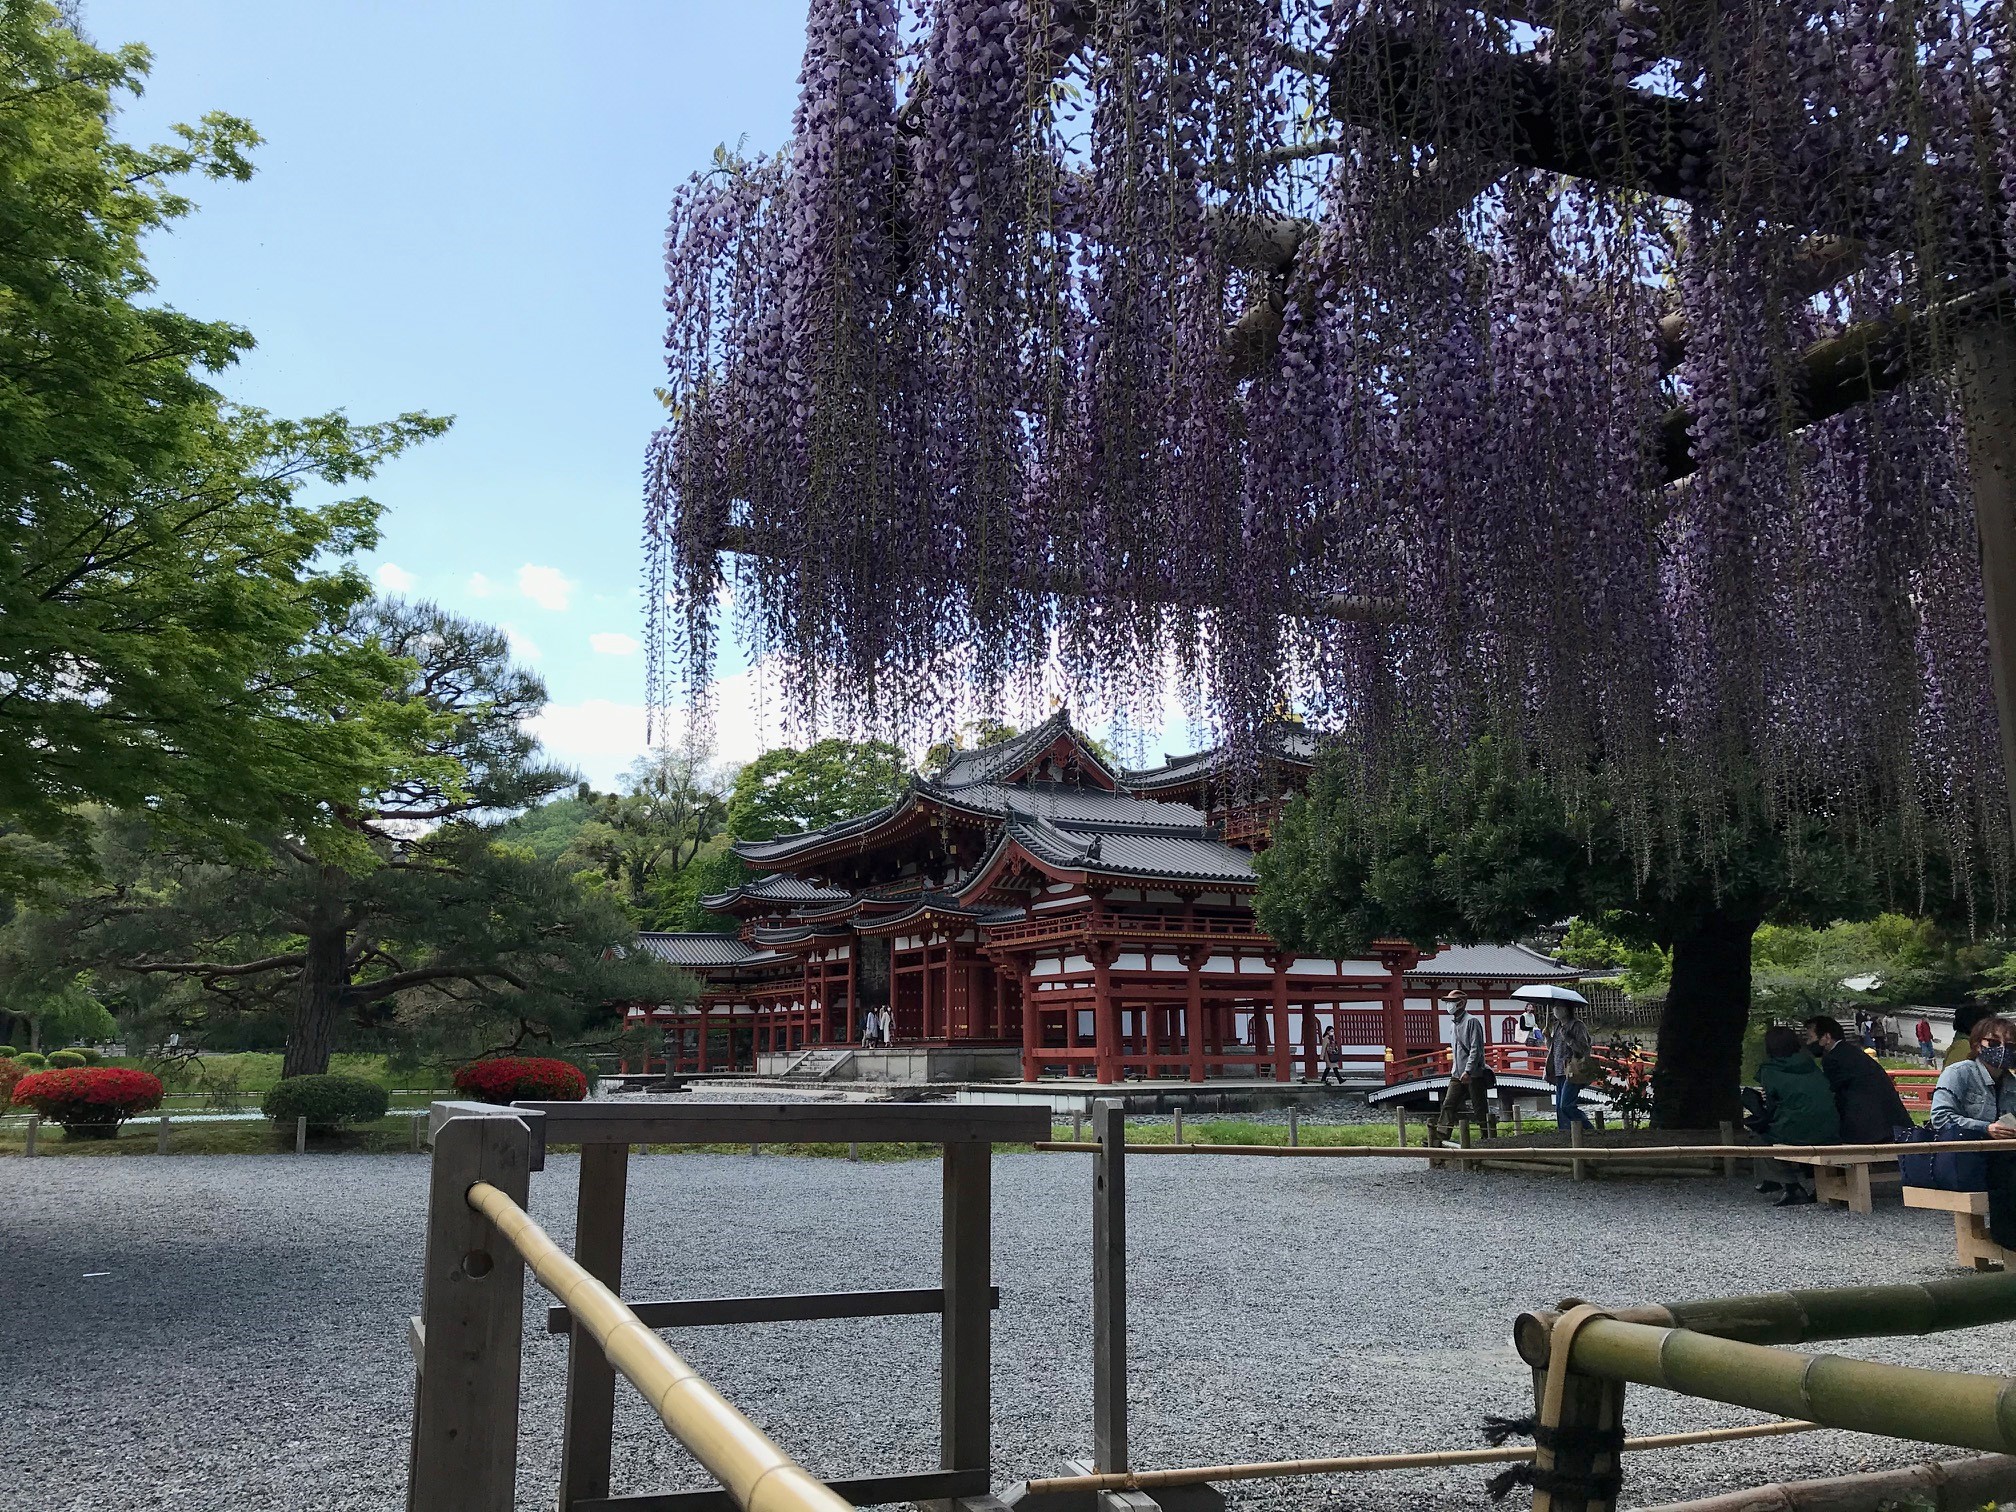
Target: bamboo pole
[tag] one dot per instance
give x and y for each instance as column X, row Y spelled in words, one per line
column 1963, row 1485
column 1191, row 1475
column 1902, row 1401
column 1546, row 1152
column 753, row 1470
column 1799, row 1317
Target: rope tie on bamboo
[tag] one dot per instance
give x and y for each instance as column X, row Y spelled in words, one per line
column 1550, row 1436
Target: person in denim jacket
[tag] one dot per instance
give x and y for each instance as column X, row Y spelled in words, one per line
column 1973, row 1094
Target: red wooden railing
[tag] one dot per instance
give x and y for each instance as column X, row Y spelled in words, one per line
column 1915, row 1088
column 1513, row 1060
column 1122, row 927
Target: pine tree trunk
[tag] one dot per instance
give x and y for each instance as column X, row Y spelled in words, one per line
column 311, row 1026
column 1694, row 1085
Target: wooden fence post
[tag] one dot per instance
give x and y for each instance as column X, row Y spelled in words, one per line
column 1294, row 1126
column 161, row 1136
column 301, row 1135
column 413, row 1137
column 1728, row 1133
column 1580, row 1168
column 1179, row 1126
column 591, row 1381
column 965, row 1384
column 1578, row 1460
column 34, row 1130
column 1109, row 1289
column 465, row 1415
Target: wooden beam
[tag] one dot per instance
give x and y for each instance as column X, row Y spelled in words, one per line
column 588, row 1426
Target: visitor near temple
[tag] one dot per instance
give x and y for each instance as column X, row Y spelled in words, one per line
column 1567, row 1044
column 1975, row 1094
column 1864, row 1096
column 1798, row 1110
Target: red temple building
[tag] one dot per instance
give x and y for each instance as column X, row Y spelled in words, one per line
column 1028, row 911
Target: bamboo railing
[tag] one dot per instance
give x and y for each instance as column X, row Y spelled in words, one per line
column 1863, row 1396
column 1544, row 1152
column 1193, row 1475
column 1802, row 1317
column 759, row 1476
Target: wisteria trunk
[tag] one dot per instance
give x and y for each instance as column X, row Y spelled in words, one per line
column 311, row 1025
column 1694, row 1085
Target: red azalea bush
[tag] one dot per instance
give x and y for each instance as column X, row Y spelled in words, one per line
column 513, row 1078
column 11, row 1071
column 90, row 1102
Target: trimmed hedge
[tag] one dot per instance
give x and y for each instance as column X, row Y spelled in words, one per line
column 514, row 1078
column 8, row 1052
column 327, row 1102
column 90, row 1102
column 34, row 1060
column 63, row 1058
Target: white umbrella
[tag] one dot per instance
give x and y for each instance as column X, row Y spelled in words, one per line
column 1548, row 992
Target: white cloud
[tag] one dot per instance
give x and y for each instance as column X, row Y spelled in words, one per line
column 612, row 643
column 522, row 645
column 600, row 737
column 547, row 587
column 394, row 579
column 480, row 586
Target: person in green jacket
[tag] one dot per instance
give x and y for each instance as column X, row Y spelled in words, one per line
column 1801, row 1105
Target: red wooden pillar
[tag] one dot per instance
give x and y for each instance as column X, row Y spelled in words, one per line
column 1280, row 1024
column 852, row 1028
column 924, row 995
column 1105, row 1017
column 1193, row 1012
column 702, row 1057
column 1032, row 1029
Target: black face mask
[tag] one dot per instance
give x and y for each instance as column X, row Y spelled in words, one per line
column 1815, row 1049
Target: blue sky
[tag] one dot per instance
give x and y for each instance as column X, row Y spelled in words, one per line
column 459, row 209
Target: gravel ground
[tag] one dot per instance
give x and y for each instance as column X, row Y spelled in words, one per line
column 244, row 1347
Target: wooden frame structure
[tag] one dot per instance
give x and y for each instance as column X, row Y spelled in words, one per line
column 467, row 1340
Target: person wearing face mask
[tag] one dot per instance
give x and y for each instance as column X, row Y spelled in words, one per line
column 1467, row 1082
column 1871, row 1111
column 1974, row 1094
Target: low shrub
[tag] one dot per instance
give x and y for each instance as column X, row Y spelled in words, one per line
column 11, row 1071
column 62, row 1058
column 34, row 1060
column 327, row 1102
column 514, row 1078
column 90, row 1102
column 8, row 1052
column 91, row 1057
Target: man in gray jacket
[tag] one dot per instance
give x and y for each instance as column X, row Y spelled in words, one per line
column 1467, row 1078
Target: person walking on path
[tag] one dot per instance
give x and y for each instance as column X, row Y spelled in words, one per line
column 1923, row 1031
column 1566, row 1045
column 1467, row 1079
column 1333, row 1055
column 1865, row 1097
column 1799, row 1109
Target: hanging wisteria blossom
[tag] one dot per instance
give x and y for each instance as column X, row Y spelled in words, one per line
column 1577, row 374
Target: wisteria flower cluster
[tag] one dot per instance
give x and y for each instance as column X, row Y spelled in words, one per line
column 1578, row 376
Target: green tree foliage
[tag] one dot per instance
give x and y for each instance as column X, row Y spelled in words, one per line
column 674, row 903
column 672, row 804
column 1487, row 852
column 785, row 791
column 168, row 635
column 546, row 829
column 428, row 930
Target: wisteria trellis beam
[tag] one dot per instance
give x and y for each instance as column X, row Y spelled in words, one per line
column 1630, row 379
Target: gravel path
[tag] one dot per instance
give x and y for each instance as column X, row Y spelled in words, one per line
column 245, row 1347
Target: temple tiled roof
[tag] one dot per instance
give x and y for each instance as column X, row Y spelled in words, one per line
column 1175, row 854
column 1291, row 743
column 1067, row 804
column 761, row 851
column 697, row 949
column 1492, row 963
column 775, row 889
column 993, row 762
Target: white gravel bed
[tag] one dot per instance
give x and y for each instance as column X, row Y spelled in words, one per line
column 244, row 1347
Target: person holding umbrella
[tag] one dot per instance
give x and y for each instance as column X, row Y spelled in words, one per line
column 1568, row 1043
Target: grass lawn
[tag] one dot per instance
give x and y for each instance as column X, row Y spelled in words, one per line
column 226, row 1083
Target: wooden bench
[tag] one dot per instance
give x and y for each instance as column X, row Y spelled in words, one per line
column 1846, row 1179
column 1970, row 1224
